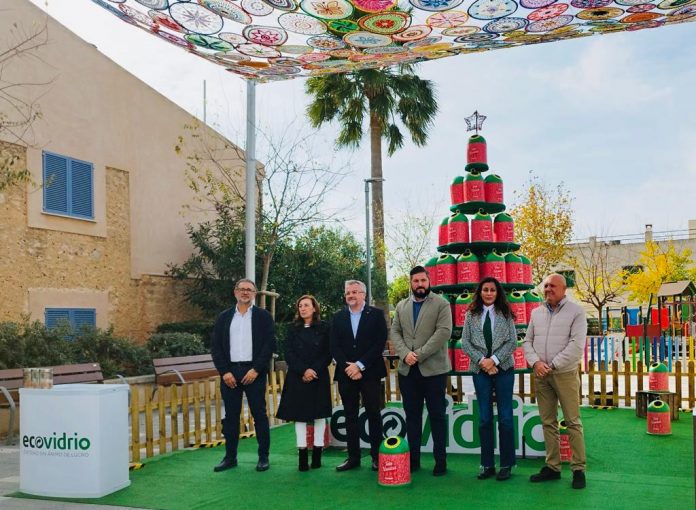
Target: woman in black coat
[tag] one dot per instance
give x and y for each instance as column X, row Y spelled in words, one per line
column 306, row 396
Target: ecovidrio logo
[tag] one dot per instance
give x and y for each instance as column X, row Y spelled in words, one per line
column 57, row 444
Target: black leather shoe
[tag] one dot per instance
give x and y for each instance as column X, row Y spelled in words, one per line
column 415, row 467
column 503, row 474
column 225, row 464
column 579, row 481
column 486, row 473
column 440, row 469
column 546, row 474
column 348, row 464
column 262, row 464
column 375, row 465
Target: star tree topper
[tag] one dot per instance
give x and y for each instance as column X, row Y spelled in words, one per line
column 475, row 121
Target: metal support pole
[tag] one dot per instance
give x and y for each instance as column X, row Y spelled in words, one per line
column 368, row 254
column 250, row 218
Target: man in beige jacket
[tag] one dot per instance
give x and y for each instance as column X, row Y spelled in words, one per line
column 553, row 346
column 420, row 330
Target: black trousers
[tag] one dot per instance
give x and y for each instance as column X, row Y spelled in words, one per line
column 351, row 392
column 416, row 388
column 256, row 397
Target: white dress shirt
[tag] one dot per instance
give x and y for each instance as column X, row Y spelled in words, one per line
column 240, row 336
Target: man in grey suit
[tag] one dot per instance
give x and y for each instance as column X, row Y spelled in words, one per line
column 420, row 330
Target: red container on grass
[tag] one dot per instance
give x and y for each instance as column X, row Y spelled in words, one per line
column 658, row 377
column 659, row 418
column 458, row 229
column 394, row 462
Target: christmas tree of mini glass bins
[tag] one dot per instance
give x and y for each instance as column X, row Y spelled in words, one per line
column 478, row 240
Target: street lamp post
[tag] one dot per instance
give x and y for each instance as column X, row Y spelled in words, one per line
column 368, row 251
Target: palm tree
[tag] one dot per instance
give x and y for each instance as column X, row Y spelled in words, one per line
column 384, row 95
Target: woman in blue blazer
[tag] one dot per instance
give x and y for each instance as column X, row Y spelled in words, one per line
column 489, row 338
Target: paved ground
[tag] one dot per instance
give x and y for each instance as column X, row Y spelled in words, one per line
column 9, row 483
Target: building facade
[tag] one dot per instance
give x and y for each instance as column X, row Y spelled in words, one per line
column 91, row 237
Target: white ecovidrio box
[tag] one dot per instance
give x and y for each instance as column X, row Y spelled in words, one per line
column 74, row 440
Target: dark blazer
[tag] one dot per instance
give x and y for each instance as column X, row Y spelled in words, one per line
column 366, row 347
column 263, row 341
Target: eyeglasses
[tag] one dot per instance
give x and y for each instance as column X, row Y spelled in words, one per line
column 244, row 289
column 351, row 292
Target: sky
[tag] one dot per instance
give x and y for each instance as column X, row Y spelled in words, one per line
column 611, row 117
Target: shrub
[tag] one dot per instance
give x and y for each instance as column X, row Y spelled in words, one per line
column 202, row 328
column 116, row 355
column 31, row 344
column 165, row 345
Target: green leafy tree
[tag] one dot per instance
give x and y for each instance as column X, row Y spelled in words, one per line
column 376, row 99
column 399, row 289
column 318, row 263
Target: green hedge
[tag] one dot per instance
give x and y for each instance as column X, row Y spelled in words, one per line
column 203, row 329
column 167, row 345
column 31, row 344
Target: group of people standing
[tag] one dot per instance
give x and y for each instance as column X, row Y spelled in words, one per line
column 244, row 340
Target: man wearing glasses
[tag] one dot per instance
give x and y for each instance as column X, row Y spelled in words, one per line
column 358, row 335
column 242, row 345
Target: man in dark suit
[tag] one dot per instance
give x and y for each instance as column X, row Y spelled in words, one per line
column 358, row 336
column 242, row 345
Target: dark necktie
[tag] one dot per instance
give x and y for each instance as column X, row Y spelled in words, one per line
column 488, row 334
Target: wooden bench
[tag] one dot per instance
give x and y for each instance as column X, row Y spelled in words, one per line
column 12, row 379
column 182, row 369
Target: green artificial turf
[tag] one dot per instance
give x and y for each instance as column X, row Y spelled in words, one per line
column 627, row 469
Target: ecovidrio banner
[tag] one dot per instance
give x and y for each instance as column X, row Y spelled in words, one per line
column 463, row 423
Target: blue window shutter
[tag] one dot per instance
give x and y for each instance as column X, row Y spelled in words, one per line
column 54, row 315
column 81, row 189
column 55, row 183
column 83, row 317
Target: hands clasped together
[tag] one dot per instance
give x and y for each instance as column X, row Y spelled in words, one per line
column 541, row 369
column 353, row 370
column 248, row 378
column 488, row 366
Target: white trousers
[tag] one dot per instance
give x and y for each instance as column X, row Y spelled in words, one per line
column 319, row 431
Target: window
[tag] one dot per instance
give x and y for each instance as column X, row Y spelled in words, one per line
column 68, row 186
column 76, row 317
column 569, row 276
